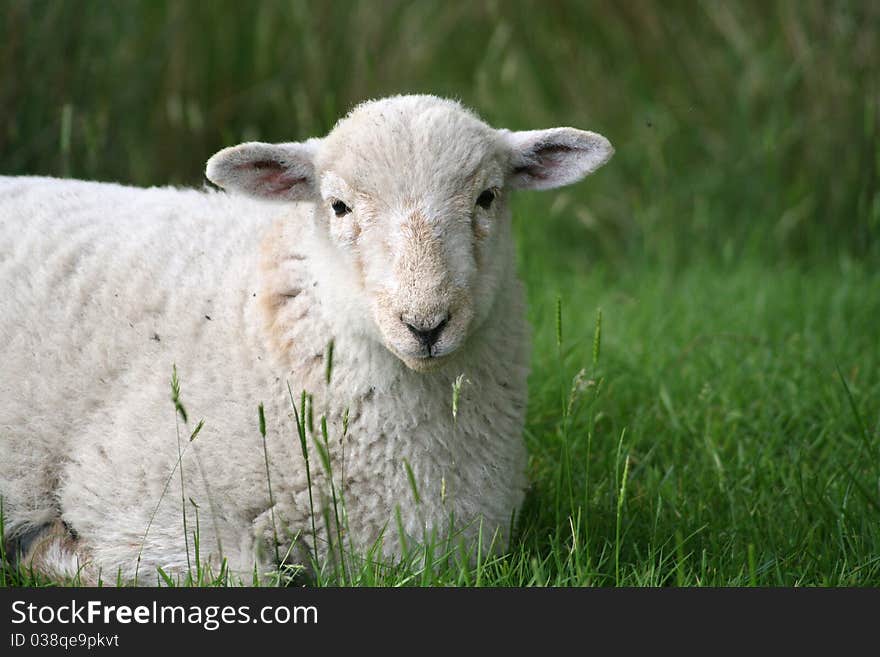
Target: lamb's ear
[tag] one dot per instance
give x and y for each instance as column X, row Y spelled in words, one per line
column 543, row 159
column 279, row 172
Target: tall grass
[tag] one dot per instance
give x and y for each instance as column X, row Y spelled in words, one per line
column 740, row 127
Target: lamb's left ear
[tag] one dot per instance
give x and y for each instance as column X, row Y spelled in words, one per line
column 279, row 172
column 543, row 159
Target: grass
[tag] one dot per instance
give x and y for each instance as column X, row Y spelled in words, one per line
column 726, row 435
column 717, row 423
column 741, row 435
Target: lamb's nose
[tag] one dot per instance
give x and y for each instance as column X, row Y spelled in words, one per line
column 428, row 336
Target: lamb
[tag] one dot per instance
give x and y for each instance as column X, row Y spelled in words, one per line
column 372, row 268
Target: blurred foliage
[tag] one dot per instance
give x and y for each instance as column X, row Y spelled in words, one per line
column 745, row 129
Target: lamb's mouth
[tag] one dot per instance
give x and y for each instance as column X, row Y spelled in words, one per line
column 426, row 362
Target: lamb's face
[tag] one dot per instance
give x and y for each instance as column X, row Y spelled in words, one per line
column 411, row 191
column 414, row 202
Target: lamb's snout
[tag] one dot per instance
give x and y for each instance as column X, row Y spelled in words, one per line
column 426, row 332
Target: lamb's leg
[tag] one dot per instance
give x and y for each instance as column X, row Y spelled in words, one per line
column 53, row 551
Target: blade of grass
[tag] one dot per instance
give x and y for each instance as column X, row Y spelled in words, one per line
column 301, row 432
column 261, row 416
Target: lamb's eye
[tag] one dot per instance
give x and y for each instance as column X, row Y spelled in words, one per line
column 340, row 208
column 484, row 200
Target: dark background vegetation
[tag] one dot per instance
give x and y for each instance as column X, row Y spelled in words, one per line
column 739, row 126
column 729, row 432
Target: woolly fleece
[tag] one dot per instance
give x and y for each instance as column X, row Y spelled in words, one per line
column 106, row 287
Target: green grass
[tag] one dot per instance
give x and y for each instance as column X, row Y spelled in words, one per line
column 727, row 435
column 742, row 438
column 724, row 428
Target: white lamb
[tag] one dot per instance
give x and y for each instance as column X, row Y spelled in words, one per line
column 389, row 239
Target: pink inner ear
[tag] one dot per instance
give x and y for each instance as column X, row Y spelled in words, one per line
column 280, row 181
column 553, row 155
column 545, row 158
column 272, row 176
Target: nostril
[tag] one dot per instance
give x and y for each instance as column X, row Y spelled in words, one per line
column 428, row 337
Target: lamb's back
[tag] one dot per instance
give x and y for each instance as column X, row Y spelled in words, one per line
column 105, row 287
column 97, row 276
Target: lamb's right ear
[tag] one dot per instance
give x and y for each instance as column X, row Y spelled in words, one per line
column 278, row 172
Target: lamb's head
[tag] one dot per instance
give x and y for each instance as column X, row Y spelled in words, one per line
column 412, row 193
